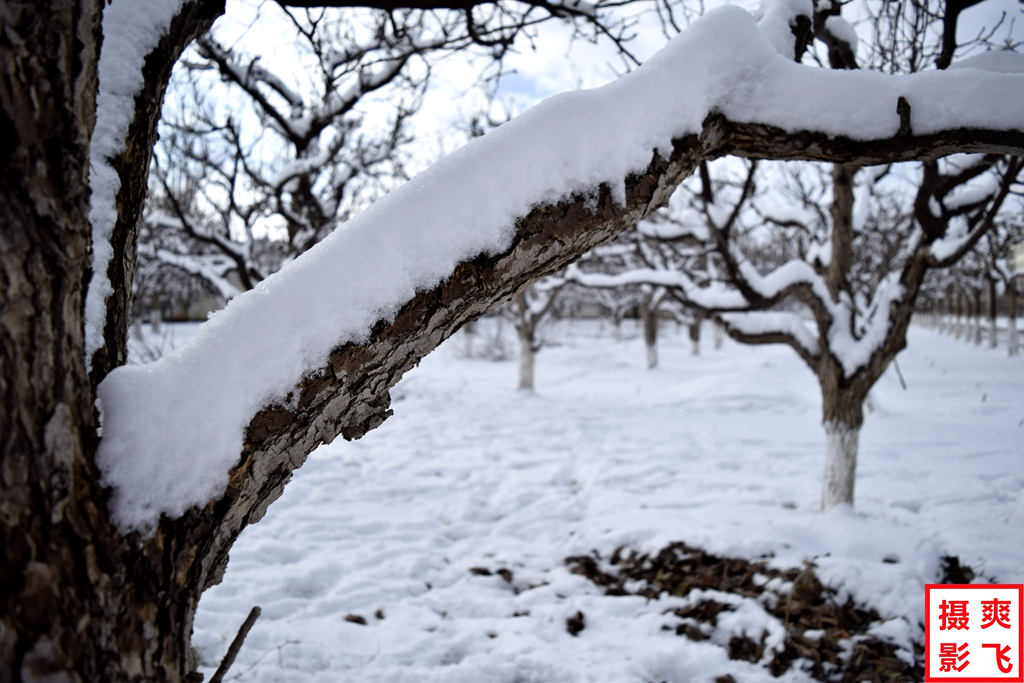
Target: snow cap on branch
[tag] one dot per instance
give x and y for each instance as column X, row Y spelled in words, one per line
column 256, row 350
column 778, row 21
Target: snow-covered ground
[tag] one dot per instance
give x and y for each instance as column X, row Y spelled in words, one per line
column 721, row 451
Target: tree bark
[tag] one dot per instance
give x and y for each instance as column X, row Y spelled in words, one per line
column 649, row 319
column 695, row 336
column 78, row 601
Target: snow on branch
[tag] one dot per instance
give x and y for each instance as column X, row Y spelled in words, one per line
column 141, row 42
column 311, row 351
column 131, row 30
column 773, row 326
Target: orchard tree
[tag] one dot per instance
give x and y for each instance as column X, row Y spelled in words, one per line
column 122, row 488
column 848, row 249
column 257, row 161
column 529, row 308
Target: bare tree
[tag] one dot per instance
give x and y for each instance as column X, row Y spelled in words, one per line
column 530, row 306
column 83, row 597
column 262, row 194
column 855, row 280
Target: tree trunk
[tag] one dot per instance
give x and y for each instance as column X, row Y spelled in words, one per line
column 650, row 325
column 840, row 464
column 1013, row 344
column 842, row 418
column 950, row 311
column 526, row 328
column 156, row 315
column 526, row 359
column 695, row 336
column 468, row 333
column 977, row 316
column 993, row 329
column 78, row 601
column 958, row 315
column 719, row 334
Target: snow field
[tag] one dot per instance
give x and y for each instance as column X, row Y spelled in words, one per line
column 722, row 451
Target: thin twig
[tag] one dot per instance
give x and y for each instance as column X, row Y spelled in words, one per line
column 236, row 645
column 899, row 374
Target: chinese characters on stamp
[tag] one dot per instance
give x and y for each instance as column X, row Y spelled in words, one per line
column 973, row 632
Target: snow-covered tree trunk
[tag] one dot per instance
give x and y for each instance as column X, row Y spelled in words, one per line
column 79, row 601
column 719, row 334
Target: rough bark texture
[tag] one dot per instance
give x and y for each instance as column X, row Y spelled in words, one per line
column 78, row 601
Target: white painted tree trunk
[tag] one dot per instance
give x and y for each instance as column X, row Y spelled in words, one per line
column 840, row 464
column 526, row 358
column 156, row 316
column 652, row 355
